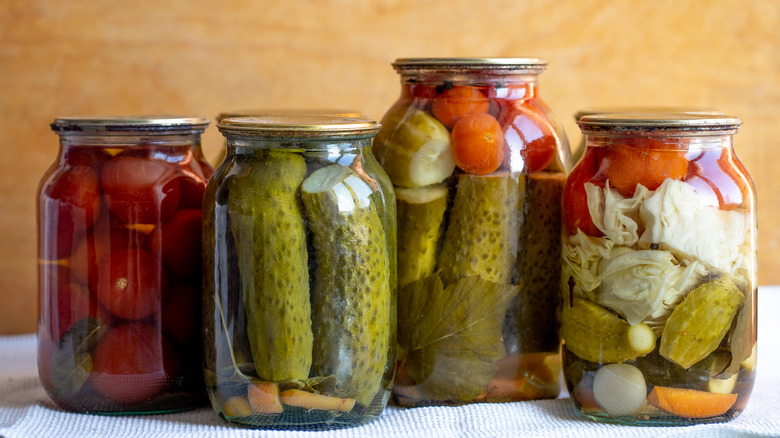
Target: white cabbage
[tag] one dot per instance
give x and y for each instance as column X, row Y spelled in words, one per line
column 581, row 256
column 677, row 219
column 617, row 217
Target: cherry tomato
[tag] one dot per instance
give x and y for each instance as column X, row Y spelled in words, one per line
column 177, row 242
column 714, row 176
column 70, row 205
column 180, row 315
column 627, row 166
column 478, row 144
column 140, row 190
column 106, row 235
column 575, row 200
column 129, row 283
column 132, row 363
column 530, row 136
column 458, row 102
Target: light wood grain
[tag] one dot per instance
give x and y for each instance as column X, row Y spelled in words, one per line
column 199, row 57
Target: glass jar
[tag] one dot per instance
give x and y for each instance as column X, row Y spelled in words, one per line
column 119, row 225
column 659, row 275
column 299, row 231
column 478, row 164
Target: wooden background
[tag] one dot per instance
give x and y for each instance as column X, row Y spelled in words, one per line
column 66, row 58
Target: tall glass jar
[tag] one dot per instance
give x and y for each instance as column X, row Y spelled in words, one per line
column 299, row 231
column 478, row 164
column 659, row 276
column 119, row 224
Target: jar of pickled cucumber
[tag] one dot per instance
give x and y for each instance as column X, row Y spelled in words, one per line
column 478, row 165
column 299, row 274
column 119, row 226
column 659, row 275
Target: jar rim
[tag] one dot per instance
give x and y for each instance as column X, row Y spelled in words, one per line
column 289, row 112
column 299, row 126
column 684, row 122
column 152, row 123
column 646, row 110
column 514, row 65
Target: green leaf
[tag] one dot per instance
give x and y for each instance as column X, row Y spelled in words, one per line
column 72, row 358
column 452, row 336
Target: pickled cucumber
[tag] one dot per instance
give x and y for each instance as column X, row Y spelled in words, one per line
column 482, row 235
column 698, row 324
column 270, row 236
column 598, row 335
column 414, row 148
column 351, row 298
column 420, row 216
column 538, row 267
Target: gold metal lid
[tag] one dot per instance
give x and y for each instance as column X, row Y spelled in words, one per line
column 299, row 126
column 513, row 65
column 136, row 124
column 678, row 123
column 289, row 112
column 638, row 109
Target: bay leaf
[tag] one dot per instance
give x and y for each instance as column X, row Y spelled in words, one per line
column 72, row 357
column 452, row 336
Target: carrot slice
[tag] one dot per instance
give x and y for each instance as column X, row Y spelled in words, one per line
column 690, row 403
column 308, row 400
column 264, row 398
column 237, row 406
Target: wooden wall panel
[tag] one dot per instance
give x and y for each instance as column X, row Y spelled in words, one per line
column 202, row 57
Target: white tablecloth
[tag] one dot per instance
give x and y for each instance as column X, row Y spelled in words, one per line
column 26, row 411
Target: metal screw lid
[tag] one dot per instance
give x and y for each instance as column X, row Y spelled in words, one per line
column 682, row 123
column 299, row 126
column 157, row 124
column 513, row 65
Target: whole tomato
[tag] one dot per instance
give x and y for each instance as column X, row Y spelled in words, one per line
column 178, row 243
column 530, row 136
column 132, row 363
column 576, row 214
column 455, row 103
column 129, row 283
column 477, row 144
column 70, row 204
column 642, row 161
column 140, row 190
column 192, row 188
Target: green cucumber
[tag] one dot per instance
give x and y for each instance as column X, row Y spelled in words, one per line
column 351, row 296
column 420, row 217
column 482, row 235
column 269, row 230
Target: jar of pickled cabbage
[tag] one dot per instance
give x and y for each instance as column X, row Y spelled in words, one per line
column 119, row 226
column 659, row 275
column 478, row 165
column 299, row 269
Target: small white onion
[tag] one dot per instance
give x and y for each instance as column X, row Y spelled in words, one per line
column 619, row 389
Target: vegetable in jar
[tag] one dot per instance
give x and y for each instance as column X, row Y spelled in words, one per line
column 299, row 274
column 119, row 265
column 478, row 166
column 659, row 275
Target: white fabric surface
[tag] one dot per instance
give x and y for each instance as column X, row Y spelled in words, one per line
column 26, row 411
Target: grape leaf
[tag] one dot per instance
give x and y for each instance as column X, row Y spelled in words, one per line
column 452, row 336
column 72, row 359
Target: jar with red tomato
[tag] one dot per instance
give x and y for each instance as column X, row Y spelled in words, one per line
column 659, row 275
column 299, row 272
column 478, row 164
column 119, row 265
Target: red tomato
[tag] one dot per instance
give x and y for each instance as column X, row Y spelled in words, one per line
column 140, row 190
column 713, row 175
column 129, row 283
column 458, row 102
column 106, row 235
column 530, row 136
column 180, row 315
column 132, row 363
column 627, row 166
column 575, row 201
column 478, row 144
column 92, row 156
column 69, row 205
column 177, row 242
column 192, row 188
column 420, row 91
